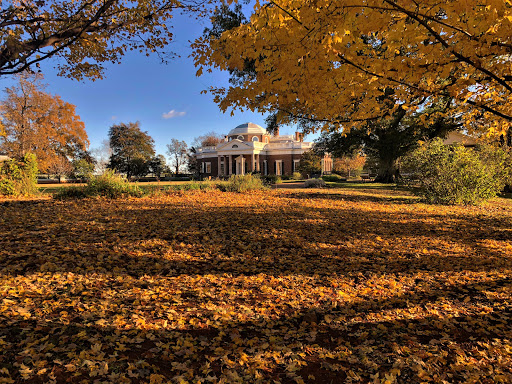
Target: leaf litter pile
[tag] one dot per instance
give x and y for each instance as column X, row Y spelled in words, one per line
column 278, row 287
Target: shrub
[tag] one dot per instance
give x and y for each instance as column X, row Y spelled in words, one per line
column 455, row 174
column 314, row 183
column 19, row 177
column 332, row 178
column 296, row 176
column 270, row 179
column 107, row 185
column 242, row 183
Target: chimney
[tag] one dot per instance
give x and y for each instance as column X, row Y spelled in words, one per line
column 276, row 131
column 299, row 136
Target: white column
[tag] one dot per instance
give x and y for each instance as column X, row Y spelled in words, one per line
column 218, row 166
column 230, row 165
column 254, row 162
column 242, row 165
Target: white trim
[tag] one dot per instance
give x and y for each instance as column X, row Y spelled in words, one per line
column 295, row 165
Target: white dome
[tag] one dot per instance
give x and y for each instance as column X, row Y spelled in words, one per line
column 248, row 128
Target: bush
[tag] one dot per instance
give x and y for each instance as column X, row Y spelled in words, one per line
column 455, row 174
column 242, row 183
column 19, row 178
column 296, row 176
column 314, row 183
column 270, row 179
column 332, row 178
column 107, row 185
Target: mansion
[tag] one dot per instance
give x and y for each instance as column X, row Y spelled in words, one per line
column 250, row 148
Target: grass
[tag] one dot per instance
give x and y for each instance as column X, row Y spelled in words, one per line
column 339, row 285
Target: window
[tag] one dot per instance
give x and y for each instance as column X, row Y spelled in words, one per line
column 240, row 137
column 234, row 146
column 295, row 165
column 208, row 168
column 255, row 138
column 279, row 167
column 265, row 167
column 266, row 139
column 230, row 138
column 222, row 168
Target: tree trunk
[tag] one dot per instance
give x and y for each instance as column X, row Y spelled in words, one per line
column 388, row 171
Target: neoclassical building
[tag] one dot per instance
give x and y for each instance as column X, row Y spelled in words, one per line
column 250, row 148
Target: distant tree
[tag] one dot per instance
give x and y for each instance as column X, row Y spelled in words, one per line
column 310, row 163
column 177, row 151
column 82, row 169
column 37, row 122
column 348, row 164
column 101, row 156
column 192, row 163
column 209, row 139
column 157, row 165
column 132, row 149
column 84, row 33
column 60, row 167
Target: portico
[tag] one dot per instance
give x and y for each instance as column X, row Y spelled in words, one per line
column 250, row 148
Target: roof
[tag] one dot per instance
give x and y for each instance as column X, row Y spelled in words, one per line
column 246, row 128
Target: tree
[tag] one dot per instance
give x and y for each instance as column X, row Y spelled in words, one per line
column 334, row 62
column 177, row 151
column 387, row 139
column 131, row 149
column 101, row 156
column 209, row 139
column 82, row 169
column 348, row 164
column 84, row 33
column 37, row 122
column 157, row 165
column 310, row 163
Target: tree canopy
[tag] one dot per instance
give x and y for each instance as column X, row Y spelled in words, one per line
column 387, row 139
column 84, row 33
column 40, row 123
column 132, row 149
column 338, row 63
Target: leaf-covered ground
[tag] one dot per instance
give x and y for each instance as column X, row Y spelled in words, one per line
column 284, row 286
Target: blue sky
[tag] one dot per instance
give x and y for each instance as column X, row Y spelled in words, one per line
column 143, row 89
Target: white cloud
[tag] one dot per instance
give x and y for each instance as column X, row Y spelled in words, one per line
column 172, row 113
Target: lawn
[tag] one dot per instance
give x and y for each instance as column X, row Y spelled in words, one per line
column 284, row 286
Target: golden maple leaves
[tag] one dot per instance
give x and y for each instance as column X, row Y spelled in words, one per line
column 336, row 61
column 286, row 286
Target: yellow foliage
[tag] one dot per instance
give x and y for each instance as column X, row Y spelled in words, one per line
column 335, row 61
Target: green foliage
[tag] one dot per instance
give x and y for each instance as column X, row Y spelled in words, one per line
column 296, row 176
column 457, row 175
column 310, row 163
column 108, row 185
column 331, row 178
column 82, row 169
column 195, row 186
column 270, row 179
column 242, row 183
column 19, row 178
column 132, row 149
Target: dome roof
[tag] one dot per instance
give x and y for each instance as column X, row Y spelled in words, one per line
column 246, row 128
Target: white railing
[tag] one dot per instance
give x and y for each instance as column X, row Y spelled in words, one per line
column 206, row 149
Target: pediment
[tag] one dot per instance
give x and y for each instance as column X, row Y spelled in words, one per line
column 229, row 145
